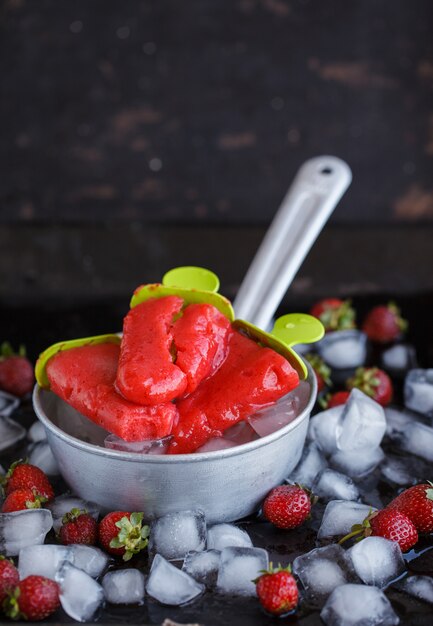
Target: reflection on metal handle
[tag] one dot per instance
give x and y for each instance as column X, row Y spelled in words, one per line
column 313, row 195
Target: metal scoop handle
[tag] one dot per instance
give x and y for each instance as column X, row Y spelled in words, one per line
column 313, row 195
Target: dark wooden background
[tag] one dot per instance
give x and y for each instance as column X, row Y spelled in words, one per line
column 138, row 135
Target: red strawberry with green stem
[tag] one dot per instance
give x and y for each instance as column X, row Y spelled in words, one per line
column 321, row 370
column 277, row 590
column 288, row 506
column 22, row 475
column 33, row 599
column 16, row 371
column 388, row 523
column 22, row 499
column 78, row 527
column 374, row 382
column 384, row 324
column 417, row 504
column 9, row 578
column 123, row 534
column 335, row 314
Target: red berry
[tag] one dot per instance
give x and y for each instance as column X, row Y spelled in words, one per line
column 417, row 504
column 374, row 382
column 16, row 371
column 337, row 398
column 394, row 525
column 287, row 506
column 23, row 475
column 22, row 499
column 123, row 534
column 321, row 370
column 384, row 323
column 335, row 314
column 34, row 599
column 277, row 590
column 9, row 578
column 78, row 527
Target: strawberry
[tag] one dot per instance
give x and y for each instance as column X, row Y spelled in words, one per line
column 78, row 527
column 287, row 506
column 417, row 503
column 33, row 599
column 16, row 371
column 277, row 590
column 321, row 370
column 374, row 382
column 9, row 578
column 335, row 314
column 388, row 523
column 384, row 323
column 334, row 399
column 22, row 475
column 22, row 499
column 123, row 534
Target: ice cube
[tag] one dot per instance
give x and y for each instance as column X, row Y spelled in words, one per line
column 331, row 485
column 222, row 536
column 42, row 560
column 175, row 534
column 22, row 529
column 418, row 391
column 376, row 560
column 312, row 463
column 36, row 432
column 238, row 568
column 203, row 566
column 398, row 359
column 343, row 349
column 90, row 559
column 273, row 418
column 300, row 395
column 11, row 433
column 240, row 433
column 80, row 595
column 73, row 423
column 418, row 586
column 397, row 471
column 8, row 403
column 362, row 423
column 418, row 439
column 65, row 503
column 124, row 586
column 150, row 446
column 169, row 585
column 396, row 421
column 215, row 444
column 40, row 454
column 358, row 605
column 322, row 570
column 340, row 516
column 357, row 463
column 323, row 429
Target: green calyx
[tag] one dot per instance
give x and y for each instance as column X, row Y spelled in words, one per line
column 366, row 379
column 360, row 531
column 132, row 535
column 339, row 318
column 6, row 351
column 72, row 515
column 319, row 366
column 273, row 570
column 429, row 492
column 11, row 605
column 37, row 502
column 402, row 324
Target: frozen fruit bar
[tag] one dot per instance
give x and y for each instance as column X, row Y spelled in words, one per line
column 251, row 377
column 84, row 377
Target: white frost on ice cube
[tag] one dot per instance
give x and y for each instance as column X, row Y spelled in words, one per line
column 10, row 433
column 396, row 421
column 124, row 586
column 357, row 463
column 80, row 595
column 322, row 570
column 343, row 349
column 239, row 567
column 418, row 586
column 397, row 471
column 42, row 560
column 377, row 560
column 358, row 605
column 312, row 462
column 362, row 423
column 398, row 358
column 323, row 429
column 90, row 559
column 169, row 585
column 203, row 566
column 417, row 439
column 40, row 454
column 332, row 485
column 222, row 536
column 22, row 529
column 8, row 403
column 175, row 534
column 273, row 418
column 418, row 391
column 65, row 503
column 36, row 432
column 340, row 516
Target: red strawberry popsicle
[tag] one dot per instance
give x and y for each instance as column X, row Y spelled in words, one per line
column 84, row 377
column 251, row 377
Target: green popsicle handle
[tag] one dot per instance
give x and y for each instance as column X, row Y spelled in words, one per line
column 191, row 277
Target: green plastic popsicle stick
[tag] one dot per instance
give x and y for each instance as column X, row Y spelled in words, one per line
column 195, row 285
column 46, row 355
column 288, row 331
